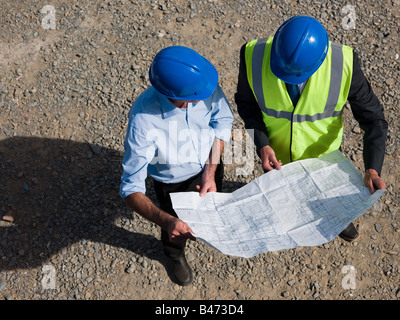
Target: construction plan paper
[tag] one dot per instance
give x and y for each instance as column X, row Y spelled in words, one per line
column 306, row 203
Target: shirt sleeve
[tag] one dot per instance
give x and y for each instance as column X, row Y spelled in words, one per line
column 368, row 111
column 247, row 106
column 222, row 116
column 139, row 151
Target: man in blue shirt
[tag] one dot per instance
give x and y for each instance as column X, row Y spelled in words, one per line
column 176, row 134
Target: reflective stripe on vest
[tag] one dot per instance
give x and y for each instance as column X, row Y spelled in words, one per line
column 334, row 90
column 314, row 126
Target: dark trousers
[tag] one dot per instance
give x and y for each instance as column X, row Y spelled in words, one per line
column 163, row 190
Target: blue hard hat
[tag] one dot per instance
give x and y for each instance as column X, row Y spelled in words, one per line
column 298, row 49
column 181, row 73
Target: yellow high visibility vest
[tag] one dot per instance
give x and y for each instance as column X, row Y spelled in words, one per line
column 314, row 127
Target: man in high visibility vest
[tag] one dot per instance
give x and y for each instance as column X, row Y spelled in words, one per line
column 291, row 92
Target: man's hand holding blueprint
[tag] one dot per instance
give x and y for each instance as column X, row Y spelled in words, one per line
column 306, row 203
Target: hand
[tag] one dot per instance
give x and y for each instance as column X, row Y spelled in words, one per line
column 268, row 158
column 179, row 231
column 207, row 184
column 373, row 181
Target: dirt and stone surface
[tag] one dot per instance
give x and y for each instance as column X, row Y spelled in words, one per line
column 65, row 95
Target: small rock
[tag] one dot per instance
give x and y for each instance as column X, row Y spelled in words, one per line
column 378, row 227
column 245, row 278
column 95, row 148
column 390, row 82
column 131, row 268
column 25, row 186
column 239, row 294
column 377, row 207
column 357, row 130
column 291, row 282
column 190, row 257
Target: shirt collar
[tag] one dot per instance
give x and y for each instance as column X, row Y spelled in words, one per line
column 168, row 109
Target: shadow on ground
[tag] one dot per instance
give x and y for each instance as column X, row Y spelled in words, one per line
column 59, row 192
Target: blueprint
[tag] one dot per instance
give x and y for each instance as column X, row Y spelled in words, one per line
column 306, row 203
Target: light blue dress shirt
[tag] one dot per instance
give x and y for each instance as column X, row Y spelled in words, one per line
column 171, row 144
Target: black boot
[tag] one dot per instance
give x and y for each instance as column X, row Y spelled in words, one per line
column 350, row 233
column 176, row 254
column 181, row 270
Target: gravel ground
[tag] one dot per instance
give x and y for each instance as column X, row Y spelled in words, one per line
column 65, row 95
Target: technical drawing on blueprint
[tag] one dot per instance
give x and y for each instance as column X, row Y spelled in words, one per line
column 306, row 203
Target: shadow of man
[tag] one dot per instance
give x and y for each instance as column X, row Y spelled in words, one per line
column 60, row 192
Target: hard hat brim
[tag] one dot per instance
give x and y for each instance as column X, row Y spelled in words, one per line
column 203, row 94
